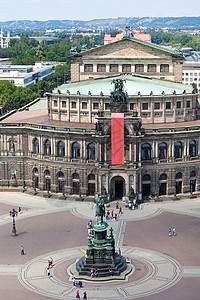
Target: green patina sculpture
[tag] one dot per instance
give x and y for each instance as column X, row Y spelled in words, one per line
column 100, row 210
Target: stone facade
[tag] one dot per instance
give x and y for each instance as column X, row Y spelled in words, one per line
column 127, row 56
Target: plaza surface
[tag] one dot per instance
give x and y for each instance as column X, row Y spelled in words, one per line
column 167, row 267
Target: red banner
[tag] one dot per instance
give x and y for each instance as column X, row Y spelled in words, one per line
column 117, row 138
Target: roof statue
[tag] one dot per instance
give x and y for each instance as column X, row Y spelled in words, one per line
column 118, row 95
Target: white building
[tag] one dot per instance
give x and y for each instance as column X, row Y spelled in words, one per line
column 22, row 75
column 4, row 41
column 191, row 73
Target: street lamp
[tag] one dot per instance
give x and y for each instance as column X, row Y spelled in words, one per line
column 158, row 191
column 80, row 190
column 13, row 214
column 63, row 189
column 48, row 187
column 191, row 188
column 23, row 184
column 175, row 189
column 34, row 182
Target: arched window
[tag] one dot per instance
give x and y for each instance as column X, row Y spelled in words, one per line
column 178, row 180
column 163, row 176
column 91, row 151
column 91, row 185
column 192, row 149
column 61, row 149
column 36, row 146
column 192, row 181
column 162, row 151
column 75, row 150
column 47, row 147
column 146, row 152
column 60, row 178
column 146, row 185
column 47, row 176
column 75, row 184
column 178, row 150
column 163, row 184
column 35, row 178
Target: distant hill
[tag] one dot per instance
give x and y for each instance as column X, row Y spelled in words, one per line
column 148, row 22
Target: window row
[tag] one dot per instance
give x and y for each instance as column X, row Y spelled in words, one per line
column 76, row 185
column 162, row 150
column 163, row 180
column 61, row 149
column 168, row 105
column 126, row 68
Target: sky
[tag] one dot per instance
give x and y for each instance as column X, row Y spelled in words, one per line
column 94, row 9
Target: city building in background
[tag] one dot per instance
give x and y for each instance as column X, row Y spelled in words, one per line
column 22, row 75
column 4, row 40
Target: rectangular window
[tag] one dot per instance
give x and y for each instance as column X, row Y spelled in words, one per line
column 107, row 106
column 73, row 104
column 178, row 104
column 157, row 105
column 195, row 74
column 168, row 105
column 151, row 68
column 188, row 104
column 186, row 74
column 101, row 68
column 195, row 79
column 139, row 68
column 55, row 103
column 84, row 105
column 164, row 68
column 186, row 79
column 88, row 68
column 132, row 106
column 113, row 68
column 191, row 79
column 64, row 104
column 191, row 74
column 145, row 106
column 126, row 68
column 95, row 105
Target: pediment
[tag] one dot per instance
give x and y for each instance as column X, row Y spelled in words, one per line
column 127, row 49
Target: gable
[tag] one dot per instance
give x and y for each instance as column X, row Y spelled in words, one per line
column 127, row 49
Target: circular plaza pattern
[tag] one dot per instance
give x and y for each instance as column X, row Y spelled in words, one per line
column 161, row 273
column 163, row 267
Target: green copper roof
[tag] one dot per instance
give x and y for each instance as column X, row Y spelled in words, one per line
column 133, row 85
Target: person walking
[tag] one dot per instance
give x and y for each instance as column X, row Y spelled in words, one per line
column 170, row 232
column 85, row 296
column 77, row 294
column 74, row 281
column 51, row 260
column 120, row 210
column 112, row 214
column 174, row 231
column 117, row 205
column 119, row 252
column 48, row 272
column 22, row 250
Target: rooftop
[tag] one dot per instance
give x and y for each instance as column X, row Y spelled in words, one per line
column 134, row 84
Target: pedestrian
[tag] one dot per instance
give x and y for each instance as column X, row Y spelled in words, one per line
column 112, row 214
column 19, row 209
column 174, row 231
column 117, row 205
column 51, row 260
column 85, row 296
column 130, row 205
column 170, row 232
column 90, row 223
column 111, row 272
column 115, row 217
column 48, row 272
column 49, row 263
column 119, row 252
column 77, row 294
column 74, row 281
column 120, row 210
column 22, row 250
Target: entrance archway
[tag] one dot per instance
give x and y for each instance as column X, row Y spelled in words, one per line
column 117, row 188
